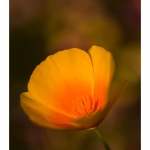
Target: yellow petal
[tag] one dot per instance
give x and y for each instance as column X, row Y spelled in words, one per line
column 103, row 66
column 61, row 78
column 42, row 115
column 69, row 90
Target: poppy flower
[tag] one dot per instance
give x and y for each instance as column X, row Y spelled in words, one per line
column 69, row 90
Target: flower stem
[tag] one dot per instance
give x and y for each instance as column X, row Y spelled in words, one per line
column 102, row 140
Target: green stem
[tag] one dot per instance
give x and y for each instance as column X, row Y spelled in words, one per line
column 102, row 140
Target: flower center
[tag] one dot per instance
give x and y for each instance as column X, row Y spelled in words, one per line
column 84, row 106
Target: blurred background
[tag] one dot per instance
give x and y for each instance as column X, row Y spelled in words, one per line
column 39, row 28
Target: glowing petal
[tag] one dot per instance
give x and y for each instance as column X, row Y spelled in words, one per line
column 69, row 90
column 103, row 65
column 44, row 116
column 61, row 78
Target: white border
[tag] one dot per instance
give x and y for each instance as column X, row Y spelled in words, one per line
column 145, row 72
column 4, row 74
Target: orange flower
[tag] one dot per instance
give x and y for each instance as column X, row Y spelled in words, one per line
column 69, row 90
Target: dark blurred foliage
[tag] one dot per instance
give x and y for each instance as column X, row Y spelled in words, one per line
column 39, row 28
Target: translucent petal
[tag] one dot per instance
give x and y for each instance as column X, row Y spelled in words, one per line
column 42, row 115
column 61, row 78
column 103, row 66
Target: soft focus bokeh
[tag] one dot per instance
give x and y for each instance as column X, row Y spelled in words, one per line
column 39, row 28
